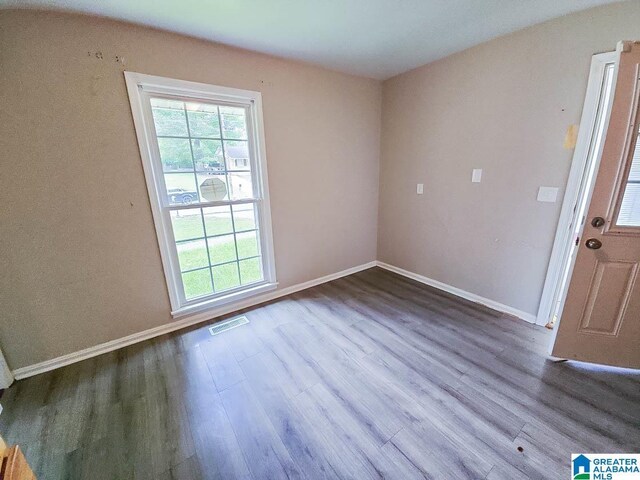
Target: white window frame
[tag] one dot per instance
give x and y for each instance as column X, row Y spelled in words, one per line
column 140, row 87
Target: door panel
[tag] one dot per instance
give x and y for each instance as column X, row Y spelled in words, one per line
column 600, row 321
column 604, row 311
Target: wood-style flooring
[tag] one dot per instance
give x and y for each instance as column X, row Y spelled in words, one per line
column 369, row 376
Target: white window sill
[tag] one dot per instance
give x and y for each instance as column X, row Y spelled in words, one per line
column 213, row 305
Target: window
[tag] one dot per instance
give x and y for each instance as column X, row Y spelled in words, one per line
column 629, row 214
column 203, row 155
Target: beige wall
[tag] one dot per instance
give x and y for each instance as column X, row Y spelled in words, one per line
column 79, row 257
column 503, row 106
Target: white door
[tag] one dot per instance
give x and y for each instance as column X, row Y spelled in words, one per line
column 600, row 321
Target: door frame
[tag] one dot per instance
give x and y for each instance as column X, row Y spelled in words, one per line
column 579, row 188
column 6, row 377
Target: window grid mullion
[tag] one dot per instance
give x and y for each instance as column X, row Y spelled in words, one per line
column 195, row 176
column 235, row 244
column 205, row 171
column 187, row 240
column 220, row 264
column 193, row 158
column 196, row 137
column 226, row 173
column 224, row 157
column 220, row 203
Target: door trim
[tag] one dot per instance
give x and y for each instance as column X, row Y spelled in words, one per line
column 6, row 377
column 574, row 193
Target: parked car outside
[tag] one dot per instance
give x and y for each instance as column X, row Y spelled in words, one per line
column 180, row 195
column 212, row 166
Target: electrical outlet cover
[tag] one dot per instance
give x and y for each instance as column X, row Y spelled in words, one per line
column 548, row 194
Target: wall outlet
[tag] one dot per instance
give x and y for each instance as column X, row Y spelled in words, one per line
column 547, row 194
column 476, row 175
column 420, row 189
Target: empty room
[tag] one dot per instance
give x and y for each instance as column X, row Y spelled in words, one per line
column 358, row 239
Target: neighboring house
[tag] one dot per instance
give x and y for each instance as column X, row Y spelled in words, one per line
column 237, row 156
column 237, row 159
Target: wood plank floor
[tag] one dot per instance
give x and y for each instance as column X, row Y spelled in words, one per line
column 369, row 376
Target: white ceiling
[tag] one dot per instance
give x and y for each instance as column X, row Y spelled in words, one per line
column 374, row 38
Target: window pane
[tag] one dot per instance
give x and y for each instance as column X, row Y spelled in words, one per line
column 629, row 215
column 225, row 276
column 187, row 224
column 169, row 117
column 237, row 155
column 222, row 249
column 251, row 270
column 175, row 154
column 213, row 187
column 192, row 255
column 247, row 244
column 217, row 220
column 234, row 124
column 197, row 283
column 203, row 120
column 634, row 174
column 181, row 188
column 241, row 185
column 244, row 217
column 630, row 209
column 207, row 155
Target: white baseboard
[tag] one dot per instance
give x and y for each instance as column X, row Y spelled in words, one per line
column 96, row 350
column 527, row 317
column 112, row 345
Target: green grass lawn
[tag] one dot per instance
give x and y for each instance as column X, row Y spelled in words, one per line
column 186, row 227
column 193, row 254
column 221, row 250
column 198, row 282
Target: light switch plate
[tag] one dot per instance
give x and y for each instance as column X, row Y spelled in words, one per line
column 476, row 175
column 420, row 189
column 548, row 194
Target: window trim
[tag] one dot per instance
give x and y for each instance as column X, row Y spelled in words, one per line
column 138, row 87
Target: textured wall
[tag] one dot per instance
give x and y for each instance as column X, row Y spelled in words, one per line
column 80, row 261
column 503, row 106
